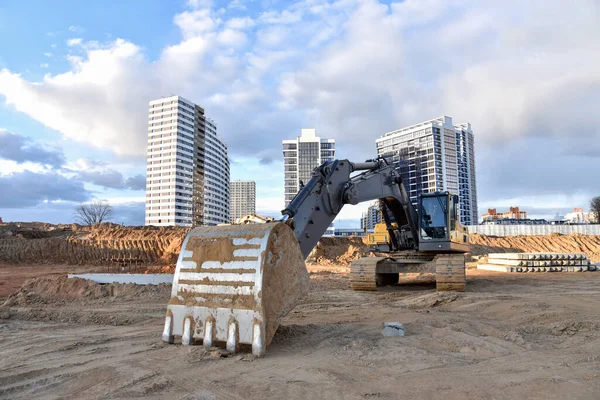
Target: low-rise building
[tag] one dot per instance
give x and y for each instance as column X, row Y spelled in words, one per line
column 342, row 232
column 578, row 216
column 512, row 213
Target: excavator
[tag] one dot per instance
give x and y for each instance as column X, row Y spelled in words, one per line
column 233, row 284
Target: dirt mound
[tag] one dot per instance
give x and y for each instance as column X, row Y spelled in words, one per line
column 557, row 243
column 60, row 289
column 107, row 231
column 336, row 250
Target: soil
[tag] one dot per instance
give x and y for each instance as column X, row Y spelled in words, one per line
column 532, row 336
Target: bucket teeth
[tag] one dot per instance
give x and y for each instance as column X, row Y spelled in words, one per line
column 232, row 337
column 258, row 340
column 209, row 332
column 167, row 335
column 186, row 338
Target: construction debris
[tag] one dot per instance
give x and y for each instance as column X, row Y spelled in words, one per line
column 537, row 262
column 138, row 279
column 392, row 329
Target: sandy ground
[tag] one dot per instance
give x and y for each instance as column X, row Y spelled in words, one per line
column 12, row 277
column 532, row 336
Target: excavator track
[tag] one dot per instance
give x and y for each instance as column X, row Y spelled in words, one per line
column 366, row 276
column 363, row 274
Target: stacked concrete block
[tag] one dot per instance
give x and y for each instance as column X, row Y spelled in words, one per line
column 537, row 262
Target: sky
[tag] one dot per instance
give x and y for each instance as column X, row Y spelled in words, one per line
column 76, row 82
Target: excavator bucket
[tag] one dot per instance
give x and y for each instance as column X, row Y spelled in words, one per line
column 233, row 284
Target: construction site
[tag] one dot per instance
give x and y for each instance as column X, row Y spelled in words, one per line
column 506, row 335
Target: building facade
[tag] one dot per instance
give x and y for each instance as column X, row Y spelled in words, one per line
column 512, row 213
column 371, row 217
column 436, row 155
column 300, row 157
column 243, row 199
column 187, row 171
column 578, row 216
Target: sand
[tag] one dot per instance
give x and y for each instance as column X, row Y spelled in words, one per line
column 532, row 336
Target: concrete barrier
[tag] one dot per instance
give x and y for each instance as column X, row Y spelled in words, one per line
column 531, row 230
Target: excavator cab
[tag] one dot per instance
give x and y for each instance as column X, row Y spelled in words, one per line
column 439, row 224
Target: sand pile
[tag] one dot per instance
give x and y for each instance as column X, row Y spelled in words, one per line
column 335, row 250
column 555, row 243
column 60, row 289
column 117, row 232
column 103, row 245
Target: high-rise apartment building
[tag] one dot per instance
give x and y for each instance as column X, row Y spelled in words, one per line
column 187, row 173
column 371, row 217
column 300, row 157
column 243, row 199
column 434, row 156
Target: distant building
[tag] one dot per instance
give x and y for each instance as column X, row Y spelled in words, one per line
column 300, row 157
column 577, row 216
column 436, row 155
column 512, row 213
column 242, row 199
column 341, row 232
column 187, row 173
column 371, row 217
column 515, row 221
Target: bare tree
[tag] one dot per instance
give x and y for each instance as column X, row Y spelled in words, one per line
column 595, row 209
column 93, row 213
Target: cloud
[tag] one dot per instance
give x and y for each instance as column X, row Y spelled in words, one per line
column 240, row 23
column 76, row 29
column 109, row 178
column 45, row 65
column 47, row 54
column 137, row 182
column 112, row 179
column 29, row 189
column 22, row 149
column 74, row 42
column 237, row 5
column 284, row 17
column 129, row 213
column 273, row 36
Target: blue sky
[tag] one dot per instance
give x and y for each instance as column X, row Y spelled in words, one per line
column 76, row 77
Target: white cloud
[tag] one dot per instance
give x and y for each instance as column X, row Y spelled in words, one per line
column 76, row 29
column 232, row 38
column 53, row 45
column 240, row 23
column 74, row 42
column 283, row 17
column 45, row 65
column 237, row 5
column 197, row 4
column 196, row 23
column 273, row 36
column 9, row 167
column 48, row 54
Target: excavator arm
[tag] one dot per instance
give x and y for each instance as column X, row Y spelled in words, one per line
column 332, row 186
